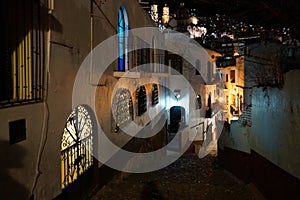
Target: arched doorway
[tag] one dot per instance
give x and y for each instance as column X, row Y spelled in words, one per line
column 76, row 150
column 198, row 102
column 177, row 118
column 177, row 123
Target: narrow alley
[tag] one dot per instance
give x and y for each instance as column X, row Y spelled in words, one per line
column 187, row 178
column 95, row 95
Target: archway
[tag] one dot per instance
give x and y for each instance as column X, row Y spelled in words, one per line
column 77, row 145
column 177, row 123
column 177, row 118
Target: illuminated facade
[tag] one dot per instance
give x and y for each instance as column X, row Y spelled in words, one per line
column 232, row 73
column 44, row 45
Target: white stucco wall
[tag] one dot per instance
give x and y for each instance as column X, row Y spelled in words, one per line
column 19, row 161
column 275, row 123
column 236, row 138
column 274, row 129
column 69, row 43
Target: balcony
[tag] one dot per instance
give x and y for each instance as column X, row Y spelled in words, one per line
column 223, row 62
column 127, row 74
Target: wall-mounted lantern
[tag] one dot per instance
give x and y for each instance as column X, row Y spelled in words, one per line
column 177, row 94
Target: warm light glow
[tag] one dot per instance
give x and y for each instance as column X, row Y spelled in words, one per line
column 221, row 99
column 165, row 19
column 234, row 118
column 154, row 8
column 165, row 10
column 196, row 31
column 165, row 16
column 193, row 20
column 21, row 61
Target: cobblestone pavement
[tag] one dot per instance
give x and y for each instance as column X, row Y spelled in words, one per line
column 187, row 178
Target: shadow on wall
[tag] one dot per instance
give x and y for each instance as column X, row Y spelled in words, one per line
column 11, row 157
column 18, row 18
column 23, row 24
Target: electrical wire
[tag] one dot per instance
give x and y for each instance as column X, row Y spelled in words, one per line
column 44, row 135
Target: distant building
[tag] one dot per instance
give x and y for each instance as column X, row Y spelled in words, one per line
column 232, row 73
column 264, row 140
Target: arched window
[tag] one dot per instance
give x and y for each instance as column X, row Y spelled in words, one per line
column 154, row 94
column 123, row 39
column 122, row 107
column 198, row 103
column 209, row 101
column 141, row 97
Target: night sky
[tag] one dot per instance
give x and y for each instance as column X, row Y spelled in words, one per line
column 269, row 13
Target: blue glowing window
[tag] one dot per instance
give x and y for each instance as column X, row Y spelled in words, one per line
column 123, row 39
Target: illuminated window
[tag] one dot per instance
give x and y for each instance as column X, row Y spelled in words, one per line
column 123, row 39
column 232, row 76
column 21, row 53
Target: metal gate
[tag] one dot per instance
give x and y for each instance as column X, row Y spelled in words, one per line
column 76, row 146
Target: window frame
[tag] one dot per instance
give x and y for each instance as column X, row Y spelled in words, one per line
column 22, row 54
column 123, row 39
